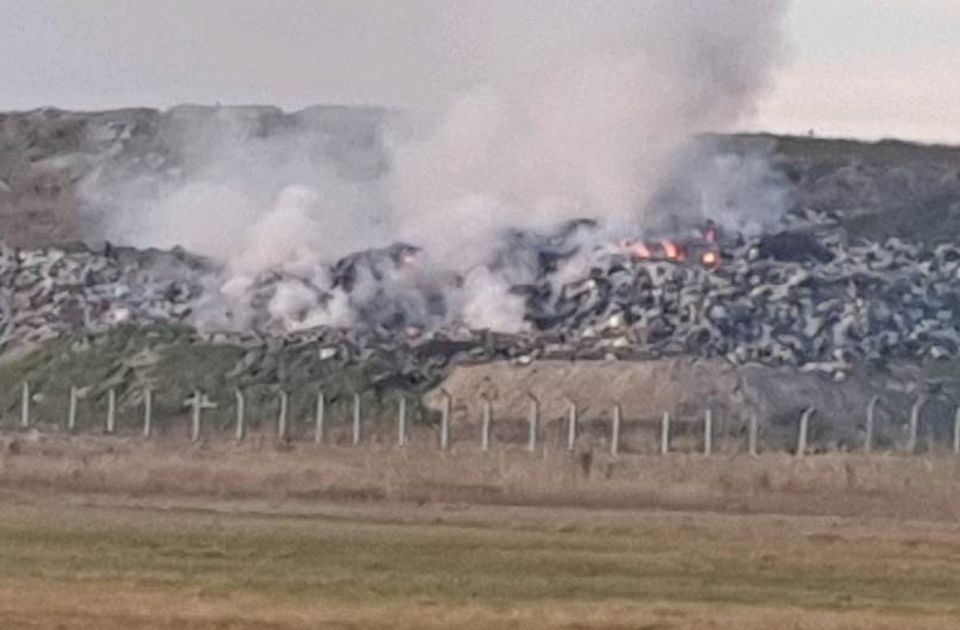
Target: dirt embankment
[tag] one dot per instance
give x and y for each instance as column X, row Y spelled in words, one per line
column 685, row 388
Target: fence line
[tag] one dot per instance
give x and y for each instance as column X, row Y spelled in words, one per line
column 198, row 402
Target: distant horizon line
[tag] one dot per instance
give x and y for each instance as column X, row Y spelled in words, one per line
column 809, row 135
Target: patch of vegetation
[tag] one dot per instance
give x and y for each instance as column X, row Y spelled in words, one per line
column 173, row 362
column 292, row 563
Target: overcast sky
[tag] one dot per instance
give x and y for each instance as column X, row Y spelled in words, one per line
column 864, row 68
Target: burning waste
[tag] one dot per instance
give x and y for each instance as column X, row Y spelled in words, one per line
column 805, row 297
column 558, row 207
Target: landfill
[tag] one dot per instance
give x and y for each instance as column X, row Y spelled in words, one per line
column 808, row 296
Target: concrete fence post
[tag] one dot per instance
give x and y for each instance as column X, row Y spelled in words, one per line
column 871, row 424
column 956, row 432
column 282, row 416
column 572, row 428
column 753, row 434
column 665, row 433
column 111, row 410
column 615, row 429
column 72, row 409
column 804, row 430
column 356, row 420
column 402, row 421
column 487, row 425
column 196, row 402
column 25, row 405
column 147, row 412
column 534, row 423
column 241, row 428
column 708, row 432
column 915, row 412
column 320, row 419
column 445, row 420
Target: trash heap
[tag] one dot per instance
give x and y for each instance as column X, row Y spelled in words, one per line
column 791, row 299
column 807, row 297
column 46, row 292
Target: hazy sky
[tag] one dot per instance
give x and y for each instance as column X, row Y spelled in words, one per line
column 866, row 68
column 870, row 68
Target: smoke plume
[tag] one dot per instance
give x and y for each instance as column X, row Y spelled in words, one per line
column 584, row 111
column 542, row 112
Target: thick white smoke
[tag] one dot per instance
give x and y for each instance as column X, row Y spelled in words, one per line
column 242, row 180
column 549, row 110
column 583, row 111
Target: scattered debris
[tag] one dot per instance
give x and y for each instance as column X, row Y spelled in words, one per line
column 809, row 298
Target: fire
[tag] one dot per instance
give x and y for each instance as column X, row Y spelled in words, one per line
column 637, row 248
column 672, row 250
column 641, row 250
column 706, row 250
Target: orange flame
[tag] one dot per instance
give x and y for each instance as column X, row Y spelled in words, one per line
column 641, row 250
column 637, row 248
column 672, row 249
column 710, row 259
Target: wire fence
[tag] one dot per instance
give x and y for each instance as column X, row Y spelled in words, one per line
column 346, row 421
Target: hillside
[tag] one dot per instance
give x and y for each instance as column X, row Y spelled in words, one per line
column 880, row 189
column 844, row 309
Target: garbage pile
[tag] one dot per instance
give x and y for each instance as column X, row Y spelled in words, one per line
column 808, row 297
column 46, row 292
column 799, row 299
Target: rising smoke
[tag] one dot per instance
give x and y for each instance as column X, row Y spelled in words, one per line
column 547, row 111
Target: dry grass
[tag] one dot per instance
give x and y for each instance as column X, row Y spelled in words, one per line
column 880, row 486
column 110, row 563
column 87, row 609
column 110, row 534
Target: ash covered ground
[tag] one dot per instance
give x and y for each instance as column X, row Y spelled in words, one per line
column 853, row 263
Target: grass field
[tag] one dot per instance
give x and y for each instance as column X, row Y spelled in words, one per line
column 111, row 534
column 102, row 562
